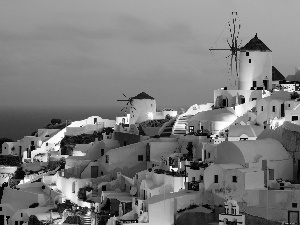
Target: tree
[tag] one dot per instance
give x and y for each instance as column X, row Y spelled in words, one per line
column 189, row 148
column 56, row 121
column 168, row 117
column 19, row 174
column 294, row 95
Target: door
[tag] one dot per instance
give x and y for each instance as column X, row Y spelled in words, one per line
column 243, row 99
column 95, row 120
column 225, row 102
column 266, row 84
column 2, row 219
column 293, row 217
column 282, row 110
column 94, row 171
column 298, row 172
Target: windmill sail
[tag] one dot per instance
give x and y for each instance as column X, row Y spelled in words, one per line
column 226, row 47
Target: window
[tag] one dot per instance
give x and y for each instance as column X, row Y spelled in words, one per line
column 21, row 214
column 216, row 179
column 32, row 142
column 191, row 129
column 289, row 105
column 247, row 53
column 73, row 187
column 0, row 208
column 201, row 177
column 294, row 118
column 104, row 188
column 140, row 157
column 193, row 178
column 107, row 158
column 46, row 143
column 21, row 222
column 125, row 143
column 16, row 223
column 209, row 155
column 249, row 60
column 254, row 99
column 271, row 174
column 294, row 205
column 273, row 108
column 234, row 179
column 262, row 108
column 101, row 173
column 254, row 83
column 102, row 152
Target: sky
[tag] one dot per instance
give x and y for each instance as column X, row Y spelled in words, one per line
column 71, row 53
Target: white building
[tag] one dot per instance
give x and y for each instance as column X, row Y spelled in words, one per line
column 255, row 66
column 267, row 154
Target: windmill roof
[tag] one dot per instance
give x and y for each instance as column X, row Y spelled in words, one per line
column 256, row 44
column 142, row 95
column 276, row 75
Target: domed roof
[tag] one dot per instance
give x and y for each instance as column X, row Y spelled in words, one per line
column 142, row 95
column 255, row 44
column 249, row 130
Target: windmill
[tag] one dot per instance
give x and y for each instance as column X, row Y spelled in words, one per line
column 234, row 44
column 129, row 101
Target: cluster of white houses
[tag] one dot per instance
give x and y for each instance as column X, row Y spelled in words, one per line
column 231, row 150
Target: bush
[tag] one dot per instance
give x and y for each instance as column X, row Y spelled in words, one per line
column 81, row 194
column 88, row 188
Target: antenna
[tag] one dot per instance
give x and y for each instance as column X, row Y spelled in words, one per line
column 234, row 44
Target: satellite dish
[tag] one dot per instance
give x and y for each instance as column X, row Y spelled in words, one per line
column 133, row 190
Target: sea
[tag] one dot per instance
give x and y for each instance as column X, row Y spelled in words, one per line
column 19, row 121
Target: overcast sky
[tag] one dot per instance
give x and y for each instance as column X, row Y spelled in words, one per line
column 87, row 53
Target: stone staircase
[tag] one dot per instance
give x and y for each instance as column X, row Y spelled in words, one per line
column 49, row 203
column 179, row 127
column 86, row 220
column 168, row 130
